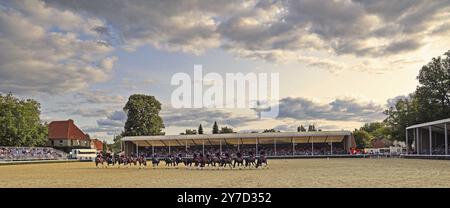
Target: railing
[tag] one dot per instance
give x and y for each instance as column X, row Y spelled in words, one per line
column 31, row 153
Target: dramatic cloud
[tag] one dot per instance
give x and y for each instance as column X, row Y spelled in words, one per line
column 56, row 46
column 360, row 28
column 111, row 125
column 194, row 117
column 340, row 109
column 99, row 97
column 188, row 26
column 48, row 50
column 90, row 112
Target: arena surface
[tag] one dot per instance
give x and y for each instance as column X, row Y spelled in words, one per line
column 281, row 173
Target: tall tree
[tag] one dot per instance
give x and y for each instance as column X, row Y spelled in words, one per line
column 143, row 116
column 362, row 138
column 215, row 128
column 200, row 129
column 116, row 146
column 402, row 114
column 20, row 124
column 104, row 146
column 189, row 132
column 226, row 130
column 270, row 131
column 301, row 128
column 311, row 128
column 430, row 101
column 433, row 92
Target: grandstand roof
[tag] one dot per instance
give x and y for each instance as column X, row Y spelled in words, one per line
column 432, row 123
column 241, row 138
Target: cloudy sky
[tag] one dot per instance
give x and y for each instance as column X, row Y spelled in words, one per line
column 340, row 62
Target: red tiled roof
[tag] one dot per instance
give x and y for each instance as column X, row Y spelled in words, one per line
column 62, row 130
column 98, row 144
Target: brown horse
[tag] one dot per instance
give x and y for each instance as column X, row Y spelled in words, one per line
column 226, row 160
column 178, row 160
column 250, row 160
column 132, row 160
column 170, row 161
column 199, row 160
column 261, row 160
column 239, row 160
column 215, row 160
column 188, row 161
column 99, row 160
column 142, row 161
column 155, row 161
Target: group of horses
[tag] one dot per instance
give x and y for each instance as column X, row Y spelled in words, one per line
column 197, row 160
column 112, row 160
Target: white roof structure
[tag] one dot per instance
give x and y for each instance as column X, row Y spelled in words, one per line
column 429, row 138
column 432, row 123
column 241, row 138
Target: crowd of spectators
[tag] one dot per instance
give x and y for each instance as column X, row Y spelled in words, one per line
column 269, row 150
column 30, row 153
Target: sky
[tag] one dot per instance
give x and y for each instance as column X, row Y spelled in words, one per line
column 340, row 63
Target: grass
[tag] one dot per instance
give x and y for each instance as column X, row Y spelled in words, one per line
column 281, row 173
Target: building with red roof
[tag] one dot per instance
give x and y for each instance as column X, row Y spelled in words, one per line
column 66, row 134
column 97, row 144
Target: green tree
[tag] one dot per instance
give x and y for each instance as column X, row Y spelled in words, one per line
column 301, row 128
column 143, row 116
column 215, row 128
column 270, row 131
column 311, row 128
column 429, row 102
column 362, row 138
column 105, row 146
column 402, row 114
column 117, row 145
column 433, row 92
column 226, row 130
column 20, row 124
column 189, row 132
column 200, row 129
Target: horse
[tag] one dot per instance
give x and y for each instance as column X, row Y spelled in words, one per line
column 215, row 160
column 178, row 160
column 226, row 160
column 208, row 160
column 132, row 160
column 142, row 161
column 199, row 160
column 203, row 160
column 261, row 160
column 239, row 159
column 110, row 160
column 169, row 161
column 250, row 160
column 188, row 161
column 122, row 160
column 195, row 160
column 99, row 160
column 155, row 161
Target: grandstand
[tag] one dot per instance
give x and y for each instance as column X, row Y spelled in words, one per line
column 30, row 154
column 278, row 144
column 428, row 139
